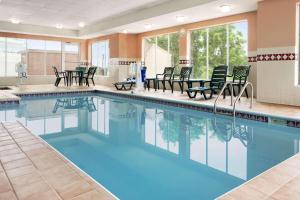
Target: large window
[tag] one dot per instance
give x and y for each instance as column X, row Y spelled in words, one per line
column 38, row 55
column 100, row 56
column 218, row 45
column 160, row 52
column 11, row 53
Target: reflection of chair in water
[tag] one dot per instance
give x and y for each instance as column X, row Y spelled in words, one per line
column 227, row 130
column 75, row 103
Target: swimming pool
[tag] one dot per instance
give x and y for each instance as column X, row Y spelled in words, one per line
column 141, row 150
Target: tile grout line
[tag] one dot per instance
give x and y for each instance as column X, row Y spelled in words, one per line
column 10, row 184
column 30, row 159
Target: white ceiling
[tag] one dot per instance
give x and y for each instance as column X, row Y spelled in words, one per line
column 109, row 16
column 206, row 11
column 67, row 12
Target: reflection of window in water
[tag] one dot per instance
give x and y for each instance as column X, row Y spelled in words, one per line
column 53, row 125
column 100, row 118
column 220, row 147
column 71, row 120
column 161, row 130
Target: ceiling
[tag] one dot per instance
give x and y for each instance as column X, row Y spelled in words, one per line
column 67, row 12
column 108, row 16
column 203, row 12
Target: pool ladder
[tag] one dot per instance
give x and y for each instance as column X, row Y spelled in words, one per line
column 238, row 97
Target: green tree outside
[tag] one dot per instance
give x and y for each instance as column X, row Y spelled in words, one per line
column 217, row 49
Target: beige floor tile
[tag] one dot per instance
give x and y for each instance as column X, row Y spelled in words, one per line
column 59, row 181
column 4, row 138
column 24, row 139
column 246, row 193
column 32, row 146
column 6, row 142
column 48, row 195
column 29, row 142
column 26, row 179
column 94, row 195
column 8, row 147
column 38, row 152
column 17, row 163
column 74, row 189
column 20, row 171
column 10, row 195
column 4, row 183
column 10, row 152
column 12, row 157
column 28, row 191
column 47, row 163
column 290, row 191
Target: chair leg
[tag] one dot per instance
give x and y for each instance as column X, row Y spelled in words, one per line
column 58, row 81
column 181, row 87
column 87, row 82
column 170, row 83
column 94, row 82
column 172, row 87
column 164, row 86
column 190, row 94
column 246, row 93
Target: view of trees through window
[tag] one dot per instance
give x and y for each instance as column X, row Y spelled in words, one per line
column 160, row 52
column 219, row 45
column 38, row 55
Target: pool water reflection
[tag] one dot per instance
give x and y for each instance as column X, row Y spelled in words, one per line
column 141, row 150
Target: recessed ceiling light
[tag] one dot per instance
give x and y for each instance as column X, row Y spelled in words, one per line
column 225, row 8
column 59, row 26
column 81, row 24
column 15, row 21
column 125, row 31
column 148, row 26
column 180, row 18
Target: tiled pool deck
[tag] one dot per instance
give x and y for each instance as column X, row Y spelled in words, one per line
column 23, row 155
column 30, row 169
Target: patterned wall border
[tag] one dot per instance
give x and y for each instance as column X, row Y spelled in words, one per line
column 273, row 57
column 252, row 59
column 123, row 62
column 203, row 108
column 184, row 62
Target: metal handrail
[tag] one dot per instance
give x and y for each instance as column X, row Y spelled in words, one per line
column 222, row 90
column 241, row 93
column 239, row 96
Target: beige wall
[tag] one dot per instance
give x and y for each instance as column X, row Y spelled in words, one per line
column 277, row 25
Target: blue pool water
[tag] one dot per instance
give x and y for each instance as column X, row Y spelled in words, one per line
column 140, row 150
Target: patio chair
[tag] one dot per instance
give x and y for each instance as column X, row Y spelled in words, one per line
column 59, row 76
column 76, row 76
column 125, row 85
column 181, row 78
column 218, row 79
column 89, row 75
column 240, row 76
column 166, row 76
